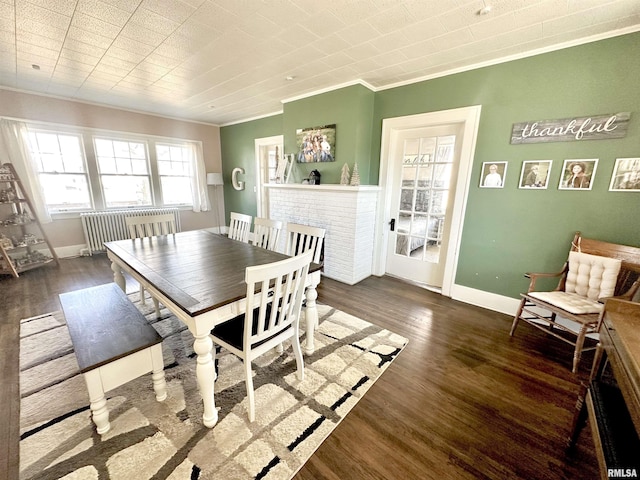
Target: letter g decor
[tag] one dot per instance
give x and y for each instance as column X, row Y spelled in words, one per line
column 237, row 184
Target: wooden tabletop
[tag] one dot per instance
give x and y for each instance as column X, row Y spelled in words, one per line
column 197, row 270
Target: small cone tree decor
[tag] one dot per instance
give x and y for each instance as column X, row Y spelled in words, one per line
column 355, row 177
column 344, row 177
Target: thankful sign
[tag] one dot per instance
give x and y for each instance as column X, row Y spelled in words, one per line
column 597, row 127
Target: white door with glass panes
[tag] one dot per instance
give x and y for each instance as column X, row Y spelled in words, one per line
column 269, row 153
column 425, row 164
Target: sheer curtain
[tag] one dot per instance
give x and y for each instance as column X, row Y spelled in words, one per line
column 15, row 139
column 199, row 180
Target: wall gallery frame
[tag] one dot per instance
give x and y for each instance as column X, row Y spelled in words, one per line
column 626, row 175
column 493, row 174
column 316, row 144
column 578, row 174
column 535, row 174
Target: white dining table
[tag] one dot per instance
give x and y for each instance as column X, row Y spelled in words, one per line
column 199, row 277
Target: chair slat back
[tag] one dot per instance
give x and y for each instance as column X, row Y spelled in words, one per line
column 266, row 233
column 240, row 226
column 142, row 226
column 301, row 238
column 629, row 276
column 279, row 300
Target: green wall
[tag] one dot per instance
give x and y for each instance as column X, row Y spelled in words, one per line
column 509, row 231
column 351, row 110
column 238, row 150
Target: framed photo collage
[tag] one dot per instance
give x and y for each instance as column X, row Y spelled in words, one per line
column 577, row 174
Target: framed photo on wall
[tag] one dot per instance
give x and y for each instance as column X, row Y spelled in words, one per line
column 316, row 144
column 626, row 175
column 535, row 174
column 578, row 174
column 493, row 174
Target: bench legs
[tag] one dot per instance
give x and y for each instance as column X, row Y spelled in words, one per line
column 157, row 375
column 114, row 374
column 99, row 411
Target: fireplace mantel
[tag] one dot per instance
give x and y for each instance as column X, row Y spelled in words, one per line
column 346, row 212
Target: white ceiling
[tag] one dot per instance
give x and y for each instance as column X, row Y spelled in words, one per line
column 223, row 61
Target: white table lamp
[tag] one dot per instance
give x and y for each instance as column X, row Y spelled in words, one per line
column 214, row 179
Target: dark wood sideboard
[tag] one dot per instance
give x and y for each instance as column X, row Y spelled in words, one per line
column 611, row 400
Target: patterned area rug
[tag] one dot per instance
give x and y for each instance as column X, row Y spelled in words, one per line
column 150, row 439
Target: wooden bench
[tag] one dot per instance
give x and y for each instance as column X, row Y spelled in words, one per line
column 113, row 343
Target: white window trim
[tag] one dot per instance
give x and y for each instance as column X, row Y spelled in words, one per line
column 200, row 194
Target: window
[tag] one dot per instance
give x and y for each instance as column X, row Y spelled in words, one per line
column 175, row 165
column 60, row 163
column 81, row 169
column 124, row 172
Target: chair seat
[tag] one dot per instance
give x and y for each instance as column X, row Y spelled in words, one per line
column 232, row 331
column 275, row 319
column 571, row 302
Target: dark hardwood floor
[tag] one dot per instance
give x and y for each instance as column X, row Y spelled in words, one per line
column 462, row 401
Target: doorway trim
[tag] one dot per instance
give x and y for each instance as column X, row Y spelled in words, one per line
column 469, row 119
column 261, row 208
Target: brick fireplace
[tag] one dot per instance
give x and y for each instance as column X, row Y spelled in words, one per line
column 348, row 215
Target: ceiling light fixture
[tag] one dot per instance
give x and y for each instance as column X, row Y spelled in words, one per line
column 289, row 78
column 35, row 67
column 485, row 10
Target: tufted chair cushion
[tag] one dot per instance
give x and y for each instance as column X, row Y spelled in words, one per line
column 589, row 278
column 571, row 302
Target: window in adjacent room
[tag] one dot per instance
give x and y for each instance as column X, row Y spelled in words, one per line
column 61, row 166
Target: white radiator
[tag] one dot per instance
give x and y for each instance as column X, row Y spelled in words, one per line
column 100, row 227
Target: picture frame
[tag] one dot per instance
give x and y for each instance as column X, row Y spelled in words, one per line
column 316, row 144
column 535, row 174
column 578, row 174
column 626, row 175
column 493, row 174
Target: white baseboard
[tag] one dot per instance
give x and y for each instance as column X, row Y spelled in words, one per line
column 502, row 304
column 70, row 251
column 480, row 298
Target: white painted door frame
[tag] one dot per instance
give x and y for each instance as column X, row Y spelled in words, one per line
column 469, row 117
column 261, row 205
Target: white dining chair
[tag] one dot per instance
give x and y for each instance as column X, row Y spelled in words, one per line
column 301, row 238
column 266, row 233
column 272, row 316
column 240, row 226
column 144, row 226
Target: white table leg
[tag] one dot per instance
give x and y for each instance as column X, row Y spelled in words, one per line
column 206, row 374
column 311, row 316
column 118, row 277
